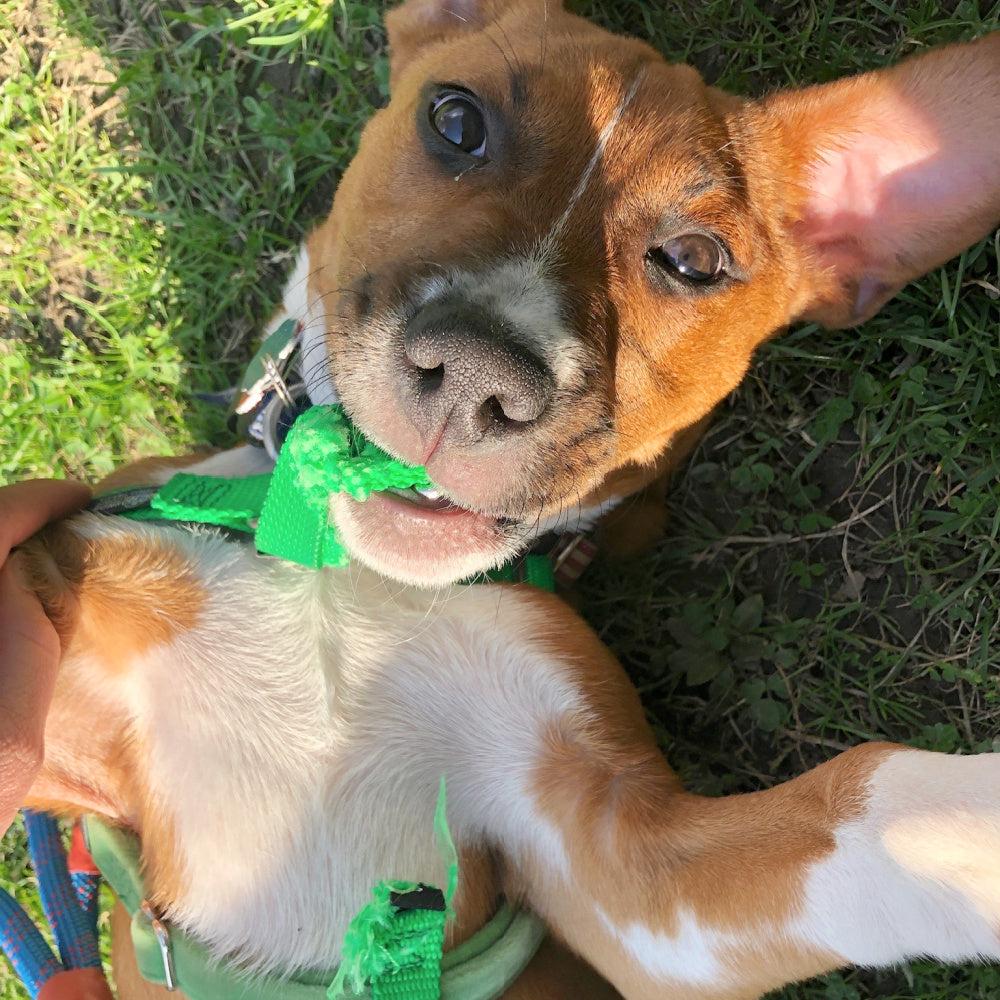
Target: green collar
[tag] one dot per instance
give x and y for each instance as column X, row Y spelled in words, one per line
column 286, row 510
column 237, row 504
column 482, row 968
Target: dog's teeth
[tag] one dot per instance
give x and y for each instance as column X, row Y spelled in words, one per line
column 430, row 494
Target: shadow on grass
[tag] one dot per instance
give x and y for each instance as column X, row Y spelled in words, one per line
column 239, row 148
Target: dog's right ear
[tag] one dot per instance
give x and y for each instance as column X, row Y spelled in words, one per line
column 886, row 175
column 416, row 24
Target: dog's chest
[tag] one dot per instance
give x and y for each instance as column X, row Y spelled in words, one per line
column 289, row 730
column 261, row 734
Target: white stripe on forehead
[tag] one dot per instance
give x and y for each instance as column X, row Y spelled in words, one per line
column 602, row 141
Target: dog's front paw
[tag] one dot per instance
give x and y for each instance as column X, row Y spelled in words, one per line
column 919, row 866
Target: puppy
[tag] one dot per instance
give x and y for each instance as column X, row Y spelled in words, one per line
column 552, row 256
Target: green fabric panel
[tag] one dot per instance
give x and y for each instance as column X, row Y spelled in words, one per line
column 481, row 968
column 229, row 503
column 199, row 977
column 538, row 572
column 116, row 854
column 497, row 965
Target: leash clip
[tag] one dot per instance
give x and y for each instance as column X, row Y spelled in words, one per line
column 264, row 397
column 162, row 933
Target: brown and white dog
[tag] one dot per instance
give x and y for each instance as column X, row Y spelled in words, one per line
column 553, row 255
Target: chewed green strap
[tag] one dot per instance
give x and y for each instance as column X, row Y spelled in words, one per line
column 288, row 510
column 396, row 941
column 325, row 451
column 323, row 454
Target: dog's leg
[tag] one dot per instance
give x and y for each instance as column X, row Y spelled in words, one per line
column 879, row 855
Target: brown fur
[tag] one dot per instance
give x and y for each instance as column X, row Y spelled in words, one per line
column 659, row 361
column 641, row 848
column 84, row 597
column 142, row 595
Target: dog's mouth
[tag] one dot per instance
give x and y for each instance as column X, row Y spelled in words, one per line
column 434, row 501
column 423, row 537
column 427, row 500
column 419, row 534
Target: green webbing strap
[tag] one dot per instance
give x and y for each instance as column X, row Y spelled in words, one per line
column 400, row 949
column 229, row 503
column 481, row 968
column 396, row 941
column 288, row 509
column 324, row 453
column 536, row 570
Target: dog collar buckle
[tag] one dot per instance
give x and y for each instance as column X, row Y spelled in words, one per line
column 268, row 398
column 571, row 555
column 162, row 933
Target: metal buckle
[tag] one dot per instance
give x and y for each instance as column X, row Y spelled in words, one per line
column 274, row 417
column 571, row 555
column 162, row 933
column 265, row 374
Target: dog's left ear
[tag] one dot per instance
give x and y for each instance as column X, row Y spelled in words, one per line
column 889, row 174
column 417, row 24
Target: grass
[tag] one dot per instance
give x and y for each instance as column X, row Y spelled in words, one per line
column 831, row 568
column 157, row 196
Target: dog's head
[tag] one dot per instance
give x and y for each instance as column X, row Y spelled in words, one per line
column 554, row 251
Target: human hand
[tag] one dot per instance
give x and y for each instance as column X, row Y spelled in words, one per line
column 29, row 646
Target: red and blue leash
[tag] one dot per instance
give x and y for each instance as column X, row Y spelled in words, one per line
column 68, row 890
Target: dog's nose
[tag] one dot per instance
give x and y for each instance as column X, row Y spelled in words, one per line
column 469, row 377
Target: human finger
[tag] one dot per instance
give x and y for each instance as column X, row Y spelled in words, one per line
column 29, row 658
column 28, row 506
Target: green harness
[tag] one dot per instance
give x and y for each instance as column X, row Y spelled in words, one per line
column 393, row 948
column 287, row 510
column 481, row 968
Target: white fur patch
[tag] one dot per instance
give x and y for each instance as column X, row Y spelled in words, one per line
column 575, row 518
column 919, row 874
column 299, row 735
column 314, row 366
column 689, row 956
column 232, row 464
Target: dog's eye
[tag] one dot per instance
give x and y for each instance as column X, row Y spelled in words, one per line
column 693, row 256
column 457, row 119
